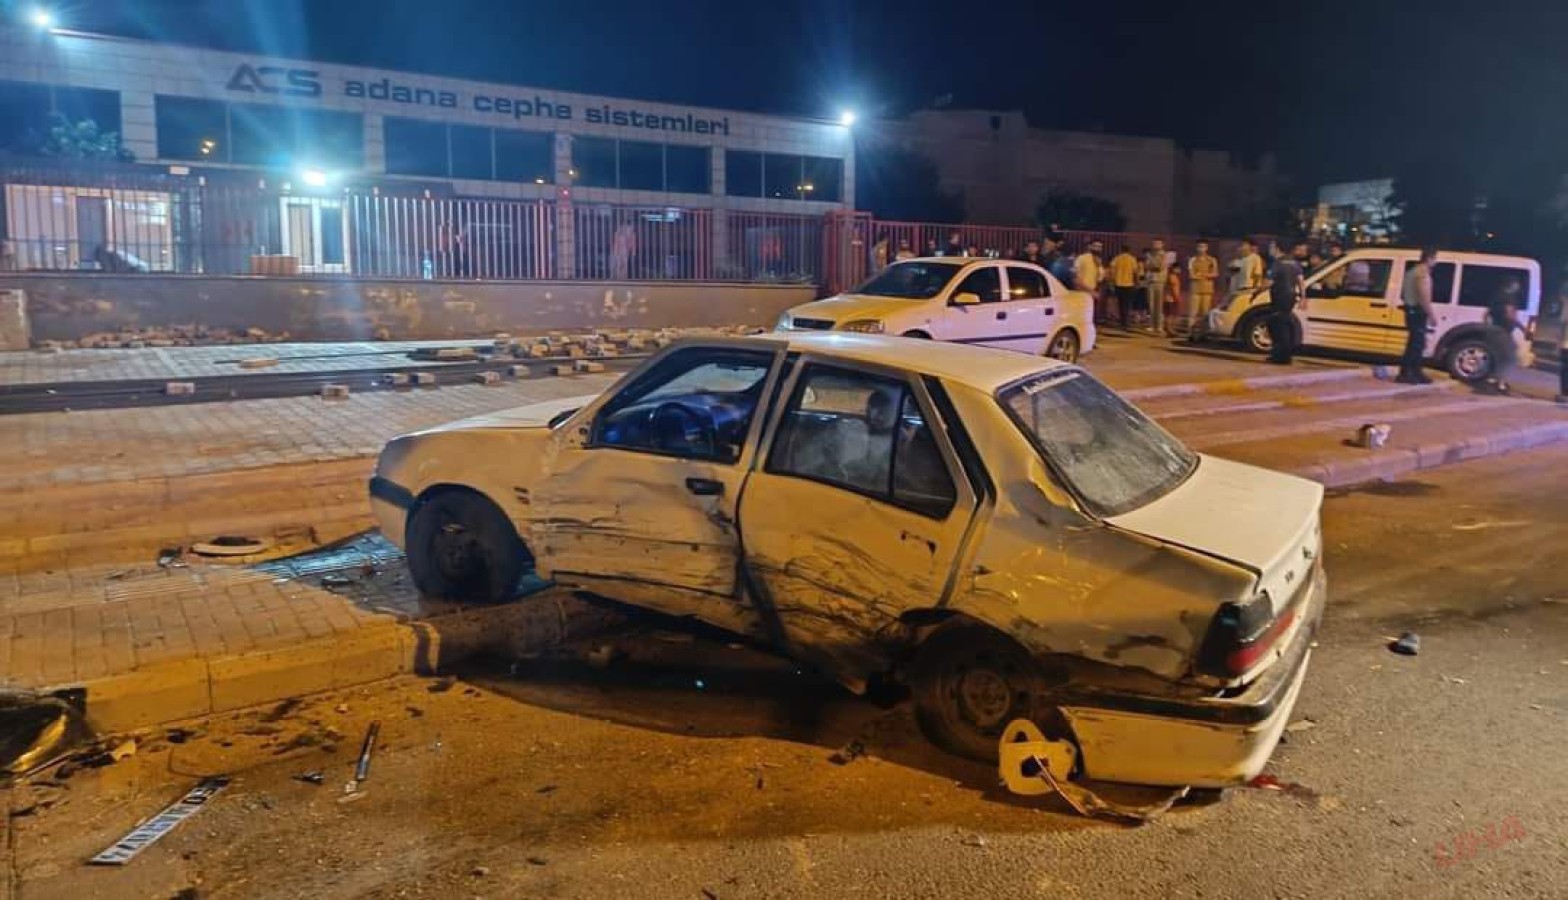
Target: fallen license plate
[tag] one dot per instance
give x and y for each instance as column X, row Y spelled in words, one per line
column 151, row 830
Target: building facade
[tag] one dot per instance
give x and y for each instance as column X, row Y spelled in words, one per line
column 1002, row 167
column 618, row 186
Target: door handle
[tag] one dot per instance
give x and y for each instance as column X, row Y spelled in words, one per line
column 1050, row 310
column 1001, row 315
column 705, row 487
column 1378, row 305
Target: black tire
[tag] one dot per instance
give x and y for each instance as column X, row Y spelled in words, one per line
column 969, row 683
column 1253, row 331
column 1471, row 359
column 462, row 548
column 1064, row 346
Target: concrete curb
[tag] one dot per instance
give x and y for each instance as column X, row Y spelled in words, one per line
column 1241, row 385
column 192, row 688
column 1393, row 462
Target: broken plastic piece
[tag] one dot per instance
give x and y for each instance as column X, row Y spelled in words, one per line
column 487, row 378
column 1373, row 435
column 1409, row 644
column 334, row 392
column 1027, row 755
column 313, row 777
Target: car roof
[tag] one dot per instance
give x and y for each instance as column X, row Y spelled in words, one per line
column 1410, row 253
column 982, row 368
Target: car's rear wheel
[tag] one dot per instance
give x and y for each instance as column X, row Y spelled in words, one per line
column 1470, row 359
column 1064, row 346
column 969, row 682
column 462, row 548
column 1254, row 331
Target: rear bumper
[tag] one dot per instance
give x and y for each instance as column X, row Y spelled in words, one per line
column 1208, row 742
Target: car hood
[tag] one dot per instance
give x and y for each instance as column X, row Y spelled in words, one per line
column 846, row 307
column 533, row 415
column 1266, row 521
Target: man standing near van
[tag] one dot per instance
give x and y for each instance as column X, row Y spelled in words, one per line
column 1202, row 271
column 1249, row 268
column 1284, row 292
column 1416, row 296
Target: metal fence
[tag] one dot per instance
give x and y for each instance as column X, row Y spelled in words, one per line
column 126, row 218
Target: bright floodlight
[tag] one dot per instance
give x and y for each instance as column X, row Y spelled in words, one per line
column 313, row 178
column 42, row 18
column 846, row 118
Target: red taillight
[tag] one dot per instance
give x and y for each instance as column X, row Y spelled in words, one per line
column 1240, row 635
column 1244, row 657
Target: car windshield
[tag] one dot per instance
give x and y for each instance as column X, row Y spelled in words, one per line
column 920, row 280
column 1113, row 457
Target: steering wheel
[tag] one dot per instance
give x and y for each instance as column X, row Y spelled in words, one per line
column 682, row 429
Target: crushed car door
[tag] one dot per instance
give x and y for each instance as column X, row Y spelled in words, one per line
column 860, row 512
column 638, row 503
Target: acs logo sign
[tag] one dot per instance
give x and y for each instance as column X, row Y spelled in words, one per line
column 275, row 80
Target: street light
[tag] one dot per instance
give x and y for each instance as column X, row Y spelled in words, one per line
column 42, row 18
column 847, row 118
column 313, row 178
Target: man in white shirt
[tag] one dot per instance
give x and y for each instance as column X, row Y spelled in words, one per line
column 1249, row 268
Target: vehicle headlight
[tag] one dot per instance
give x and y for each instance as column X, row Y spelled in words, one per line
column 785, row 322
column 864, row 326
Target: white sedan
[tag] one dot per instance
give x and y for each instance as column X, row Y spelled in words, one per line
column 1005, row 535
column 998, row 303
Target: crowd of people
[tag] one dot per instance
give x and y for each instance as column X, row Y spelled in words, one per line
column 1151, row 289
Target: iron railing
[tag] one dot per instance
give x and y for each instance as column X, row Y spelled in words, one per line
column 127, row 218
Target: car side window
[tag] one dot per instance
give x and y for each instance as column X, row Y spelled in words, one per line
column 1442, row 281
column 1481, row 285
column 1358, row 277
column 696, row 404
column 866, row 434
column 985, row 283
column 1025, row 284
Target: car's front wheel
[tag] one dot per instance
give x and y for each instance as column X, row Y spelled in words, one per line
column 1471, row 359
column 969, row 683
column 462, row 548
column 1254, row 331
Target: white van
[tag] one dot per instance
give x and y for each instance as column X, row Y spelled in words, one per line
column 1000, row 303
column 1353, row 304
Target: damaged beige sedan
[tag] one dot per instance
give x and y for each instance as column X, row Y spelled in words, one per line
column 1003, row 534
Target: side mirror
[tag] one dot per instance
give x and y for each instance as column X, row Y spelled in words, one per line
column 965, row 299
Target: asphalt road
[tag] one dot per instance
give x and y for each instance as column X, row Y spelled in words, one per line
column 681, row 768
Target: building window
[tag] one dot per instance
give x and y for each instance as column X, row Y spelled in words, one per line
column 641, row 166
column 688, row 170
column 822, row 178
column 782, row 178
column 471, row 153
column 192, row 129
column 742, row 173
column 100, row 107
column 28, row 111
column 527, row 156
column 414, row 147
column 594, row 160
column 279, row 137
column 260, row 135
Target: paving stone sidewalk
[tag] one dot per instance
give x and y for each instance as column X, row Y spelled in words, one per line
column 43, row 450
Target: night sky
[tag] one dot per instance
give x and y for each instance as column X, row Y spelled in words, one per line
column 1337, row 89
